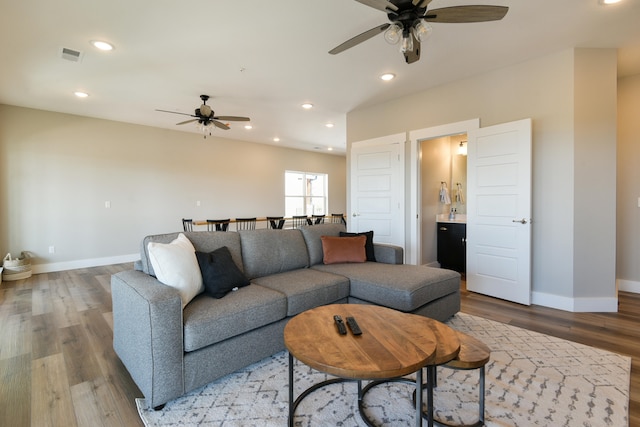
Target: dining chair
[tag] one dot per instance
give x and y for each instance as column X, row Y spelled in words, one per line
column 317, row 219
column 300, row 220
column 218, row 224
column 245, row 224
column 338, row 218
column 187, row 224
column 276, row 222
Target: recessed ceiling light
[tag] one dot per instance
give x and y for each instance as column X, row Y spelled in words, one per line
column 99, row 44
column 307, row 106
column 80, row 94
column 387, row 76
column 276, row 139
column 248, row 127
column 610, row 1
column 330, row 149
column 329, row 125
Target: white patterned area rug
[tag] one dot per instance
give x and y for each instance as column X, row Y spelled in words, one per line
column 532, row 379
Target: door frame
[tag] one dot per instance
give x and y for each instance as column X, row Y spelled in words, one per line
column 413, row 249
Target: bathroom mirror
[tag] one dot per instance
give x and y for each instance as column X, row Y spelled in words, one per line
column 459, row 176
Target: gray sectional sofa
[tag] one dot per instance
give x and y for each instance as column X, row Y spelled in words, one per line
column 170, row 351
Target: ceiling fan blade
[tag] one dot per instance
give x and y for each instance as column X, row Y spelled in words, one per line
column 359, row 39
column 414, row 55
column 383, row 5
column 187, row 121
column 233, row 118
column 462, row 14
column 421, row 3
column 175, row 112
column 220, row 125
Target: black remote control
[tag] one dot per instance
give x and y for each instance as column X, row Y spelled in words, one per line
column 353, row 325
column 340, row 324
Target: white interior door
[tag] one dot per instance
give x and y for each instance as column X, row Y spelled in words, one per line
column 499, row 211
column 377, row 188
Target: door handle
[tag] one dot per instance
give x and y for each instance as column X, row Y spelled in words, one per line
column 521, row 221
column 355, row 214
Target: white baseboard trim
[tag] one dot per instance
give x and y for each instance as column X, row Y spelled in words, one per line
column 628, row 286
column 597, row 305
column 83, row 263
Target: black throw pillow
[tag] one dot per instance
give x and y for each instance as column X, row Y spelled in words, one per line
column 220, row 274
column 368, row 245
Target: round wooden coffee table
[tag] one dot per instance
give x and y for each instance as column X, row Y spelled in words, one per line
column 393, row 344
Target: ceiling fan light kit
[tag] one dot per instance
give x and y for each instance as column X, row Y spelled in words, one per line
column 410, row 23
column 422, row 30
column 393, row 34
column 407, row 43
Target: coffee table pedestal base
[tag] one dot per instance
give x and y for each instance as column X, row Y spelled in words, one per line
column 293, row 404
column 431, row 384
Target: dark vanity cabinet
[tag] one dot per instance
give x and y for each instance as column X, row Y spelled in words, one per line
column 452, row 246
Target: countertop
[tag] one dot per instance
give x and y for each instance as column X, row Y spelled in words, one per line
column 459, row 219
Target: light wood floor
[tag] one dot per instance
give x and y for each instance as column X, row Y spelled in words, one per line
column 58, row 367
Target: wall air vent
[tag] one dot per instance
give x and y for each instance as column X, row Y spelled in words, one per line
column 71, row 55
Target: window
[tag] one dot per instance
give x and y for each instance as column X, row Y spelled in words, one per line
column 305, row 193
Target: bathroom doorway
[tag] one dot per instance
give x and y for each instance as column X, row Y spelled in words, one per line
column 414, row 189
column 443, row 184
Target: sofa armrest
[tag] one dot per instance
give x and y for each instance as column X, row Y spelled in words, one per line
column 388, row 254
column 147, row 334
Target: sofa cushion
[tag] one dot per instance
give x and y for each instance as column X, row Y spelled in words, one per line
column 220, row 275
column 399, row 286
column 307, row 288
column 268, row 251
column 208, row 320
column 343, row 249
column 312, row 234
column 203, row 241
column 371, row 254
column 176, row 265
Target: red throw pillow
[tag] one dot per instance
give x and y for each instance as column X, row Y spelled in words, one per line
column 343, row 249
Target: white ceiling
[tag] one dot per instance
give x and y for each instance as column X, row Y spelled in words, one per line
column 263, row 59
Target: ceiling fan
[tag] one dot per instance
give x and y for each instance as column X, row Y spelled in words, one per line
column 206, row 117
column 409, row 23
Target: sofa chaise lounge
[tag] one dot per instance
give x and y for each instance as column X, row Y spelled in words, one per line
column 170, row 351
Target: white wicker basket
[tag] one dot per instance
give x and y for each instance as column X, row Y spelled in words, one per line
column 16, row 268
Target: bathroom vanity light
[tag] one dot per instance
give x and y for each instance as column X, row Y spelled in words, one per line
column 462, row 148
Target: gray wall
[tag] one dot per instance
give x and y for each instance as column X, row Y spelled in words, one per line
column 628, row 178
column 574, row 163
column 58, row 170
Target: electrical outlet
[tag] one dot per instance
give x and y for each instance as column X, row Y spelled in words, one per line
column 107, row 204
column 197, row 202
column 52, row 249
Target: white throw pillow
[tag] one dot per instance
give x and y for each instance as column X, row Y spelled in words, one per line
column 176, row 265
